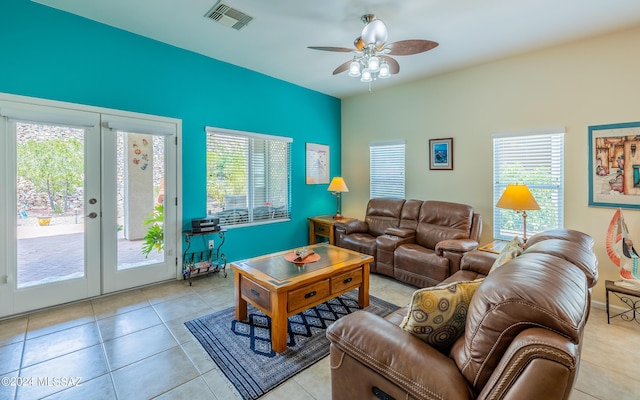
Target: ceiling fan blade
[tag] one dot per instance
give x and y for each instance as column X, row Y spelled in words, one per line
column 394, row 67
column 338, row 49
column 342, row 68
column 409, row 47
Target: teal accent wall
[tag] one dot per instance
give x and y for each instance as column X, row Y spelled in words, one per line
column 50, row 54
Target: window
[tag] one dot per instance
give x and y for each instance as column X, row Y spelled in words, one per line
column 386, row 160
column 248, row 177
column 535, row 158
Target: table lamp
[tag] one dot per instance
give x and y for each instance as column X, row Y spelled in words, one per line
column 519, row 198
column 337, row 186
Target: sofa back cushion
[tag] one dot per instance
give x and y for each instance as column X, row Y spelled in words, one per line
column 382, row 214
column 410, row 214
column 441, row 220
column 532, row 290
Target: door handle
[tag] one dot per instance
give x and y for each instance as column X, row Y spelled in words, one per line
column 92, row 215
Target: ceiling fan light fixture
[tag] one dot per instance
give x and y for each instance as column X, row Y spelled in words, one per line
column 384, row 71
column 354, row 69
column 366, row 75
column 374, row 64
column 375, row 32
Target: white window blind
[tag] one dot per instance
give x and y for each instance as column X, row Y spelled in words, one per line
column 248, row 177
column 386, row 174
column 535, row 158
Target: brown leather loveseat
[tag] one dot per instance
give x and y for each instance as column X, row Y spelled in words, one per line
column 522, row 337
column 414, row 241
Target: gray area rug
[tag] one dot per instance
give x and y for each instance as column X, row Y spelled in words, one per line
column 242, row 350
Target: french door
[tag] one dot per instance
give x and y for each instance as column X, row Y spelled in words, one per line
column 85, row 194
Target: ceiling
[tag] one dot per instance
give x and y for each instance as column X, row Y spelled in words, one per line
column 275, row 42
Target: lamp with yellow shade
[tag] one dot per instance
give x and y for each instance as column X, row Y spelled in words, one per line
column 519, row 198
column 337, row 186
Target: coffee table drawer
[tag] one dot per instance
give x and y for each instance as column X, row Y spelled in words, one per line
column 347, row 280
column 255, row 293
column 307, row 295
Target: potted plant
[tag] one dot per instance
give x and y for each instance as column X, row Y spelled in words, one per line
column 154, row 239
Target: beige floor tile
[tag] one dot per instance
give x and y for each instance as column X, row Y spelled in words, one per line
column 177, row 328
column 288, row 390
column 578, row 395
column 128, row 349
column 155, row 375
column 59, row 318
column 189, row 304
column 10, row 357
column 8, row 391
column 167, row 291
column 85, row 364
column 604, row 383
column 220, row 385
column 44, row 348
column 198, row 356
column 194, row 389
column 119, row 303
column 13, row 330
column 100, row 388
column 316, row 379
column 129, row 322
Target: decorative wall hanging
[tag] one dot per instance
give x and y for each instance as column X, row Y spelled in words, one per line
column 614, row 165
column 317, row 161
column 441, row 153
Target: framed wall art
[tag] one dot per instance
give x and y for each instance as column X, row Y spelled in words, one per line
column 441, row 153
column 614, row 165
column 317, row 161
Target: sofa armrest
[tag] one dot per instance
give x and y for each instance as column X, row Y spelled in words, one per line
column 478, row 261
column 456, row 245
column 539, row 364
column 398, row 356
column 400, row 232
column 353, row 226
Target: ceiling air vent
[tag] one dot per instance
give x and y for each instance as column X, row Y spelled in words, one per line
column 228, row 16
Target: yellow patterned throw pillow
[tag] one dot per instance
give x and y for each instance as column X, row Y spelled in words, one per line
column 437, row 315
column 512, row 250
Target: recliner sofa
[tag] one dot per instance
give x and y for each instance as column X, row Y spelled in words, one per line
column 522, row 338
column 417, row 242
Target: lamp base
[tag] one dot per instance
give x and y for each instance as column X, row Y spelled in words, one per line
column 338, row 217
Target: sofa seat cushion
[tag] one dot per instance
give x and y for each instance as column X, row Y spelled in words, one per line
column 419, row 260
column 360, row 242
column 437, row 315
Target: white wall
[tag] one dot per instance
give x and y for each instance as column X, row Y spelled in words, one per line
column 591, row 82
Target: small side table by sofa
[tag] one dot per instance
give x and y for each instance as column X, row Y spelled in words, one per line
column 494, row 247
column 323, row 226
column 632, row 313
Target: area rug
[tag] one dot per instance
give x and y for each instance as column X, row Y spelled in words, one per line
column 242, row 350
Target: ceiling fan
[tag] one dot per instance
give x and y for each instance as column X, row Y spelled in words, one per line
column 371, row 53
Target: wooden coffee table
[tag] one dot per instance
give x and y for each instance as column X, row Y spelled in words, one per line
column 280, row 289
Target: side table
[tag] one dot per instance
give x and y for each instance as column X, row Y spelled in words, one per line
column 323, row 226
column 633, row 306
column 494, row 247
column 207, row 261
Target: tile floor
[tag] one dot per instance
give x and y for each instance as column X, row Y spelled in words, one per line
column 133, row 345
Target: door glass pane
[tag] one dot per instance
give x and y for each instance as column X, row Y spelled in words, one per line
column 50, row 203
column 140, row 199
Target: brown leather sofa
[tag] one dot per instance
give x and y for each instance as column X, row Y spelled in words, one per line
column 417, row 242
column 522, row 339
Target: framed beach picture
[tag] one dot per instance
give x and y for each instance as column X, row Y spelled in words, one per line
column 614, row 165
column 317, row 160
column 441, row 153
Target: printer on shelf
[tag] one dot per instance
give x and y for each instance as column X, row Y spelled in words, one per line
column 206, row 224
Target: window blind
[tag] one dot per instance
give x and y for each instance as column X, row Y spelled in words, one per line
column 536, row 160
column 386, row 169
column 248, row 177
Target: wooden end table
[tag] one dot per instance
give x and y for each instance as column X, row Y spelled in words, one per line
column 280, row 289
column 494, row 247
column 323, row 226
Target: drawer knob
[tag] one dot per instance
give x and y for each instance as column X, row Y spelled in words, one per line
column 347, row 280
column 255, row 293
column 310, row 294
